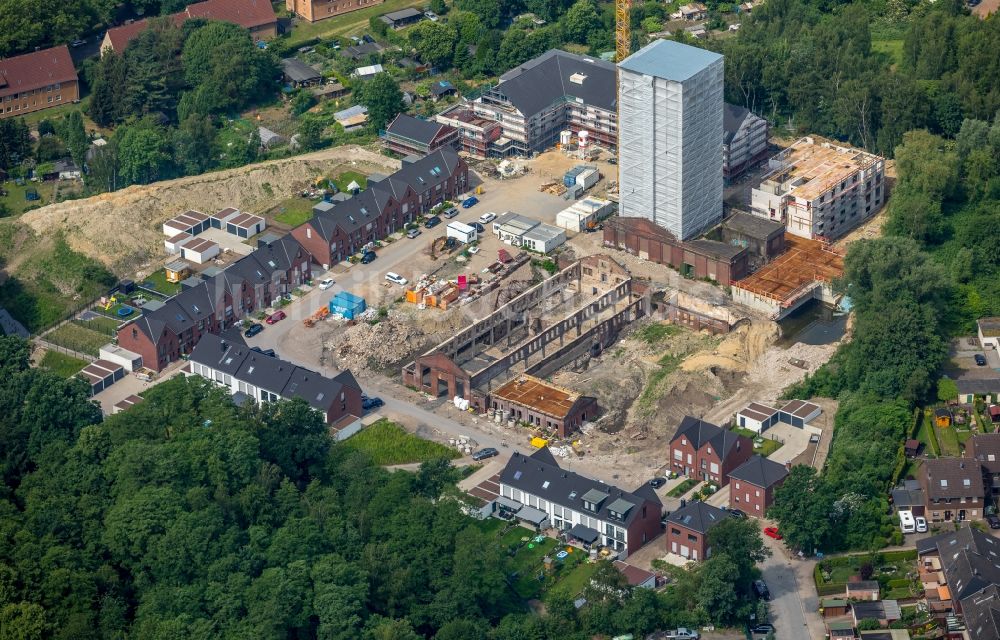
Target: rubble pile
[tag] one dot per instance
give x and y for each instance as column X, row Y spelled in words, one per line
column 375, row 348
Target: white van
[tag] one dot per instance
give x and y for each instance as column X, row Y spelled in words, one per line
column 906, row 522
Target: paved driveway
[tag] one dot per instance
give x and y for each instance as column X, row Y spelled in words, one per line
column 795, row 441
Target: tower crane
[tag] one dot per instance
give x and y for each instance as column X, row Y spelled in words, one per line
column 623, row 29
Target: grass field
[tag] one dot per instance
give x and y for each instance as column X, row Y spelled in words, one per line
column 351, row 23
column 653, row 333
column 294, row 211
column 388, row 443
column 347, row 177
column 102, row 324
column 157, row 281
column 15, row 202
column 73, row 336
column 765, row 448
column 61, row 364
column 948, row 439
column 892, row 48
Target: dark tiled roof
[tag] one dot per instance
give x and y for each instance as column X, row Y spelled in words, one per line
column 732, row 118
column 442, row 87
column 986, row 449
column 36, row 70
column 540, row 82
column 403, row 14
column 760, row 472
column 699, row 433
column 953, row 478
column 415, row 129
column 360, row 51
column 978, row 386
column 982, row 614
column 540, row 475
column 698, row 516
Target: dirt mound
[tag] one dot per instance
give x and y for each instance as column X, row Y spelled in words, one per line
column 739, row 351
column 123, row 229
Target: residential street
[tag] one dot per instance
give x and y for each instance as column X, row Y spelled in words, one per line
column 793, row 613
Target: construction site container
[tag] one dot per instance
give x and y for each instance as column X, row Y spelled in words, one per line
column 347, row 305
column 588, row 177
column 462, row 232
column 569, row 179
column 580, row 215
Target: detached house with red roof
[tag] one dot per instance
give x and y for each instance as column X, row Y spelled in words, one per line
column 704, row 451
column 36, row 81
column 256, row 16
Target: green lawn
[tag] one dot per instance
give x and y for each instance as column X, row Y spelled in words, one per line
column 764, row 448
column 14, row 200
column 388, row 443
column 294, row 211
column 347, row 177
column 102, row 324
column 653, row 333
column 926, row 435
column 61, row 364
column 157, row 281
column 351, row 23
column 682, row 488
column 73, row 336
column 948, row 439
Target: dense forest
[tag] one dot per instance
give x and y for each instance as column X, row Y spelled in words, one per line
column 188, row 517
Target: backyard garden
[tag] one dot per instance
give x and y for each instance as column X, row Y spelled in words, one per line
column 62, row 365
column 895, row 571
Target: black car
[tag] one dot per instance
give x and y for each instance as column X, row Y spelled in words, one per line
column 656, row 483
column 980, row 360
column 253, row 329
column 371, row 403
column 762, row 629
column 482, row 454
column 266, row 352
column 993, row 520
column 478, row 227
column 368, row 258
column 760, row 588
column 432, row 222
column 736, row 513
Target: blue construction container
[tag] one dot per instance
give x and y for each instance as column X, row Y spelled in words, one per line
column 569, row 179
column 347, row 304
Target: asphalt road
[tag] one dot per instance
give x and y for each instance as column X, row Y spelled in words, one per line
column 785, row 577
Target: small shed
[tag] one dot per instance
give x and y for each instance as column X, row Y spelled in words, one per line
column 840, row 630
column 270, row 138
column 442, row 88
column 833, row 607
column 352, row 118
column 402, row 18
column 368, row 71
column 176, row 271
column 67, row 169
column 863, row 590
column 173, row 244
column 190, row 222
column 113, row 353
column 911, row 448
column 757, row 417
column 128, row 401
column 199, row 250
column 942, row 417
column 299, row 74
column 994, row 411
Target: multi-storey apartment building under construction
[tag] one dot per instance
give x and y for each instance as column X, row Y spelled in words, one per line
column 536, row 102
column 821, row 189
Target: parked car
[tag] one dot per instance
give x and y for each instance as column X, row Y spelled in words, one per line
column 760, row 588
column 772, row 532
column 395, row 278
column 277, row 316
column 736, row 513
column 253, row 329
column 483, row 454
column 78, row 43
column 474, row 249
column 656, row 483
column 371, row 403
column 471, row 201
column 432, row 222
column 487, row 218
column 683, row 634
column 451, row 212
column 980, row 360
column 921, row 524
column 480, row 229
column 368, row 257
column 430, row 15
column 266, row 352
column 413, row 233
column 993, row 520
column 325, row 284
column 762, row 629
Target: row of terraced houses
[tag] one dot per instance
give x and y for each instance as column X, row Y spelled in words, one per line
column 170, row 331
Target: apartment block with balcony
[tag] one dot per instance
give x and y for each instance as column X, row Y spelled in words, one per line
column 821, row 189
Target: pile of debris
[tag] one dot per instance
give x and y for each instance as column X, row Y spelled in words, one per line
column 374, row 347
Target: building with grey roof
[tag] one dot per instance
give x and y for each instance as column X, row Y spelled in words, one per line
column 744, row 141
column 554, row 92
column 704, row 451
column 585, row 510
column 752, row 485
column 265, row 378
column 688, row 527
column 299, row 74
column 409, row 135
column 671, row 111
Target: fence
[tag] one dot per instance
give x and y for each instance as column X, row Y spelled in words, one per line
column 51, row 346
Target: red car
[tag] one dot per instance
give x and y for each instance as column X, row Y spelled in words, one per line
column 772, row 532
column 275, row 317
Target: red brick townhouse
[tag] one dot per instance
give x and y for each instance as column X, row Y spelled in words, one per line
column 538, row 491
column 164, row 333
column 688, row 527
column 339, row 230
column 752, row 485
column 704, row 451
column 36, row 81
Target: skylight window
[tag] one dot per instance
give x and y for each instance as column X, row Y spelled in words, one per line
column 250, row 370
column 545, row 485
column 273, row 264
column 319, row 396
column 517, row 475
column 966, row 482
column 944, row 483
